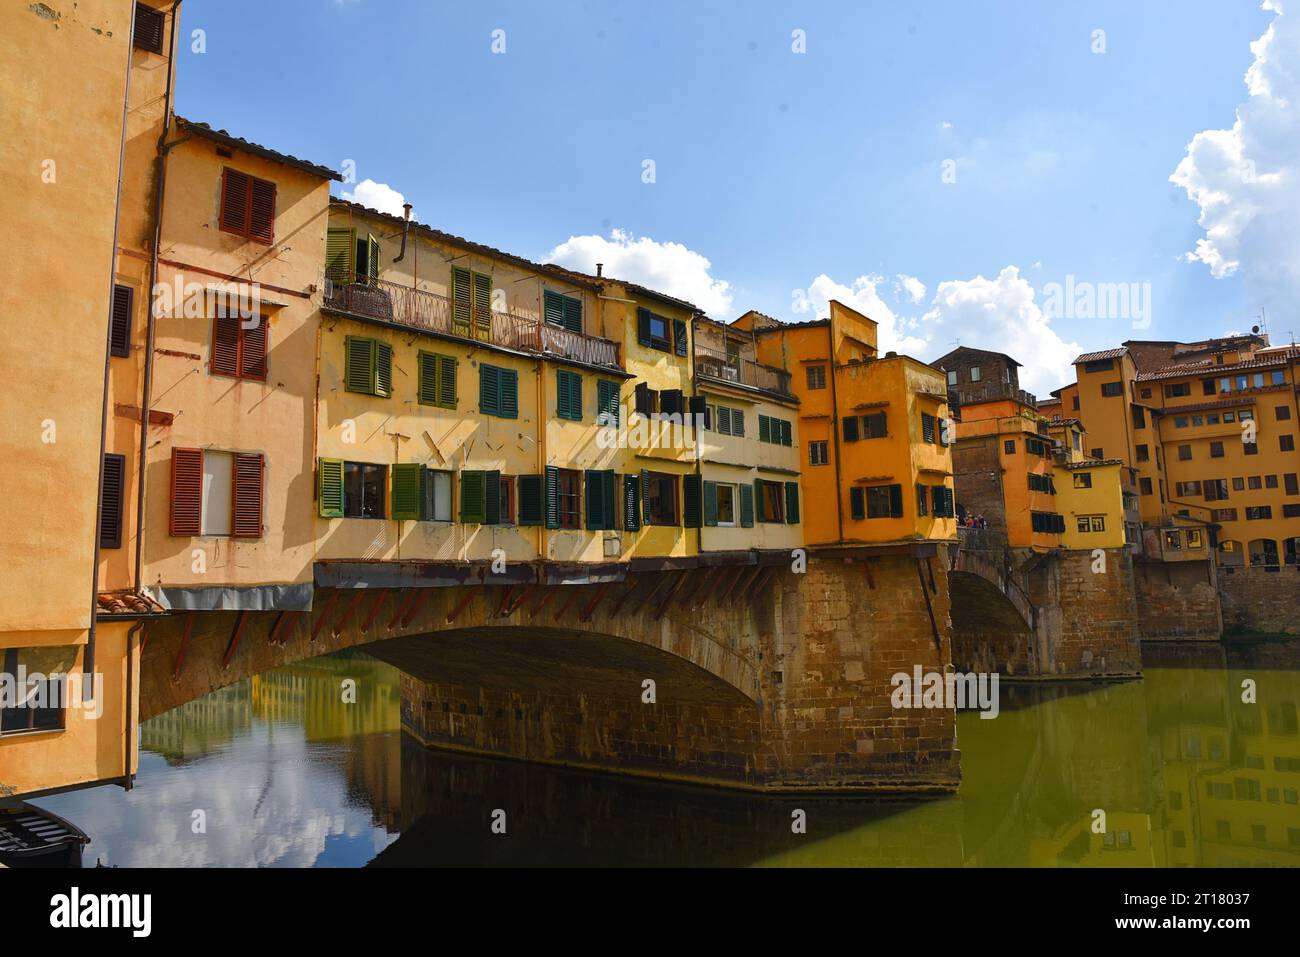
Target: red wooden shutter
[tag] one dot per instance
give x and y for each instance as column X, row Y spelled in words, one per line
column 187, row 492
column 252, row 350
column 225, row 346
column 261, row 215
column 234, row 201
column 247, row 496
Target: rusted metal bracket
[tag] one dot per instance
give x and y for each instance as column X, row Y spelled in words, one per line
column 324, row 615
column 925, row 593
column 585, row 614
column 374, row 610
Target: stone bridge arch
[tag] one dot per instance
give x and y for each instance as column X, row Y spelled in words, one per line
column 766, row 678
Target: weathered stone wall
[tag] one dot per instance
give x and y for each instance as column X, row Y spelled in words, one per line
column 988, row 632
column 1087, row 625
column 1259, row 601
column 1177, row 600
column 977, row 471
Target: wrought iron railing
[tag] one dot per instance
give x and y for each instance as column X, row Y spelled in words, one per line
column 430, row 312
column 721, row 367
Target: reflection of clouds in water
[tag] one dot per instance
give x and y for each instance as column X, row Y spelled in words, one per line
column 271, row 799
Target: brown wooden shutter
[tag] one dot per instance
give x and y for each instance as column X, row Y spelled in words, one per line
column 252, row 349
column 119, row 336
column 247, row 496
column 148, row 28
column 261, row 210
column 187, row 492
column 234, row 201
column 225, row 346
column 110, row 509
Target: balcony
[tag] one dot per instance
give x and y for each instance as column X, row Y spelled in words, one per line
column 430, row 312
column 973, row 393
column 733, row 370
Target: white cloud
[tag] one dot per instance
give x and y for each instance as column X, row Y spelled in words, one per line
column 864, row 296
column 1246, row 180
column 1000, row 315
column 663, row 266
column 378, row 196
column 914, row 288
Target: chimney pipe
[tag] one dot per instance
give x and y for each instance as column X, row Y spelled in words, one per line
column 600, row 267
column 406, row 212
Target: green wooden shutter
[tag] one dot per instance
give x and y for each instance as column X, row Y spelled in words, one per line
column 607, row 402
column 643, row 326
column 489, row 390
column 573, row 314
column 340, row 246
column 792, row 503
column 462, row 300
column 552, row 496
column 447, row 382
column 710, row 503
column 850, row 428
column 553, row 308
column 595, row 501
column 632, row 503
column 359, row 365
column 383, row 369
column 746, row 505
column 427, row 376
column 472, row 498
column 680, row 345
column 492, row 498
column 372, row 260
column 482, row 306
column 692, row 505
column 509, row 392
column 530, row 500
column 895, row 501
column 406, row 492
column 758, row 500
column 610, row 497
column 568, row 395
column 857, row 503
column 329, row 488
column 764, row 429
column 787, row 434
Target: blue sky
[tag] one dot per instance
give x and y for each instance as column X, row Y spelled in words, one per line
column 800, row 176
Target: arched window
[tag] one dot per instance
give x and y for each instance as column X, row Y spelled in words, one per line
column 1263, row 551
column 1231, row 553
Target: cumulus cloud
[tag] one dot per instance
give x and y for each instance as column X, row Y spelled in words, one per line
column 663, row 266
column 1246, row 180
column 378, row 196
column 863, row 294
column 1001, row 314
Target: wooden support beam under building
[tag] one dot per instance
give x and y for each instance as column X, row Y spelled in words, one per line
column 662, row 579
column 179, row 666
column 523, row 596
column 325, row 613
column 403, row 603
column 711, row 577
column 465, row 599
column 568, row 600
column 585, row 614
column 621, row 600
column 506, row 592
column 233, row 645
column 347, row 615
column 421, row 599
column 273, row 634
column 667, row 599
column 925, row 592
column 747, row 582
column 547, row 594
column 374, row 610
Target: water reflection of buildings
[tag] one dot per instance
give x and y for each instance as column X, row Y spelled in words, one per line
column 201, row 726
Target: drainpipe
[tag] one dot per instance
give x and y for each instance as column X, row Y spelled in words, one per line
column 695, row 440
column 88, row 660
column 147, row 386
column 129, row 729
column 835, row 428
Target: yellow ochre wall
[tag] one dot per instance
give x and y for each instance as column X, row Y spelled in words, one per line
column 1104, row 498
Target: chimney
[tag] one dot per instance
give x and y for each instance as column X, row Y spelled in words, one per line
column 600, row 270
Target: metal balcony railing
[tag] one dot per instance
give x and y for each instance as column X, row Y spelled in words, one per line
column 720, row 367
column 430, row 312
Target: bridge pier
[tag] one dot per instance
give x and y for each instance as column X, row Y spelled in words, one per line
column 1062, row 614
column 780, row 683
